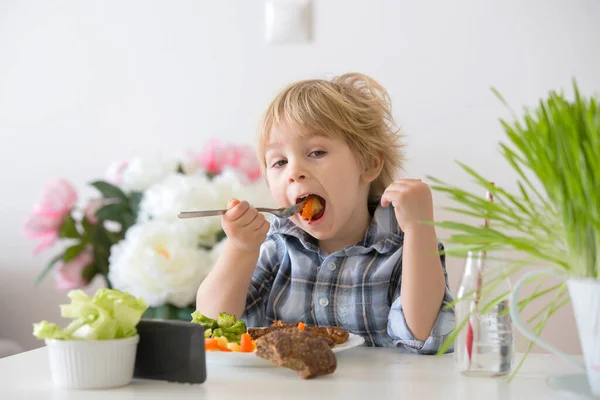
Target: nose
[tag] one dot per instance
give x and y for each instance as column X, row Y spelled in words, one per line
column 296, row 173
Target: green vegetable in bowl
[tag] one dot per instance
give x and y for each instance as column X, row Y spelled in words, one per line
column 225, row 325
column 109, row 314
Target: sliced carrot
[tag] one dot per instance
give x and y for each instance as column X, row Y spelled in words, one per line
column 211, row 345
column 307, row 210
column 301, row 325
column 246, row 345
column 311, row 208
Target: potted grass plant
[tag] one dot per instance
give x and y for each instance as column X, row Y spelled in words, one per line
column 551, row 218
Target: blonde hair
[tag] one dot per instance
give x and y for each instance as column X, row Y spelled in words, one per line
column 353, row 107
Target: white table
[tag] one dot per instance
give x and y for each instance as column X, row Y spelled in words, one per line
column 362, row 373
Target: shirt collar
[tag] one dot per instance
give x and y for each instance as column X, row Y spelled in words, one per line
column 383, row 233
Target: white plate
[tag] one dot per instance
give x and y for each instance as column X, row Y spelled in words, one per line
column 238, row 359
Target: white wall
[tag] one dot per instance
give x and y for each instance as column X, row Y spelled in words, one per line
column 86, row 83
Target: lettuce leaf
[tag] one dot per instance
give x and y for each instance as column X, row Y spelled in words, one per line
column 109, row 314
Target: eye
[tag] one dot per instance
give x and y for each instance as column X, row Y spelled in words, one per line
column 279, row 164
column 317, row 153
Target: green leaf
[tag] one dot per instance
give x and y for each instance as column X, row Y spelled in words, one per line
column 553, row 218
column 134, row 203
column 127, row 221
column 180, row 169
column 48, row 268
column 73, row 251
column 102, row 265
column 88, row 230
column 112, row 212
column 102, row 245
column 110, row 191
column 89, row 272
column 115, row 237
column 68, row 229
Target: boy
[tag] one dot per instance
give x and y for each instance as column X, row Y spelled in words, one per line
column 365, row 262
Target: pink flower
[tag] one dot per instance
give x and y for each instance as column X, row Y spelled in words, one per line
column 213, row 156
column 218, row 155
column 54, row 205
column 69, row 274
column 245, row 161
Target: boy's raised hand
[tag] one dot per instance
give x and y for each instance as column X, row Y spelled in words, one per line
column 245, row 227
column 412, row 203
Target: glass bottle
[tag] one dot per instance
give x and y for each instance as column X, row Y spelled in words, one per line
column 485, row 345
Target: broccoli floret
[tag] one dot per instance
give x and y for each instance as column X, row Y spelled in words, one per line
column 238, row 328
column 207, row 323
column 225, row 325
column 231, row 337
column 225, row 320
column 233, row 333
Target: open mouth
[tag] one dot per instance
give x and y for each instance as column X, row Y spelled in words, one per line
column 313, row 207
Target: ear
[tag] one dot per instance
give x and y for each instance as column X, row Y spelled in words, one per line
column 373, row 170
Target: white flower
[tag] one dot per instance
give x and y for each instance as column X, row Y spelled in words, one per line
column 159, row 262
column 229, row 184
column 141, row 173
column 189, row 163
column 177, row 193
column 114, row 173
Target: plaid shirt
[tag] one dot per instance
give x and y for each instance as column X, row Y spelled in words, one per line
column 357, row 288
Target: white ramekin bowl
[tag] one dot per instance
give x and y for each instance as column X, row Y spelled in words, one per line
column 92, row 364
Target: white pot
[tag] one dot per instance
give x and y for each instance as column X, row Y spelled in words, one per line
column 585, row 299
column 92, row 364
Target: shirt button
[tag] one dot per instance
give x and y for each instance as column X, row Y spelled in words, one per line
column 324, row 302
column 331, row 266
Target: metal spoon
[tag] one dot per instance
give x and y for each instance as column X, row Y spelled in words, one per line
column 283, row 212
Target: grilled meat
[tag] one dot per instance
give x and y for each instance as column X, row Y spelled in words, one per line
column 304, row 352
column 256, row 333
column 335, row 334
